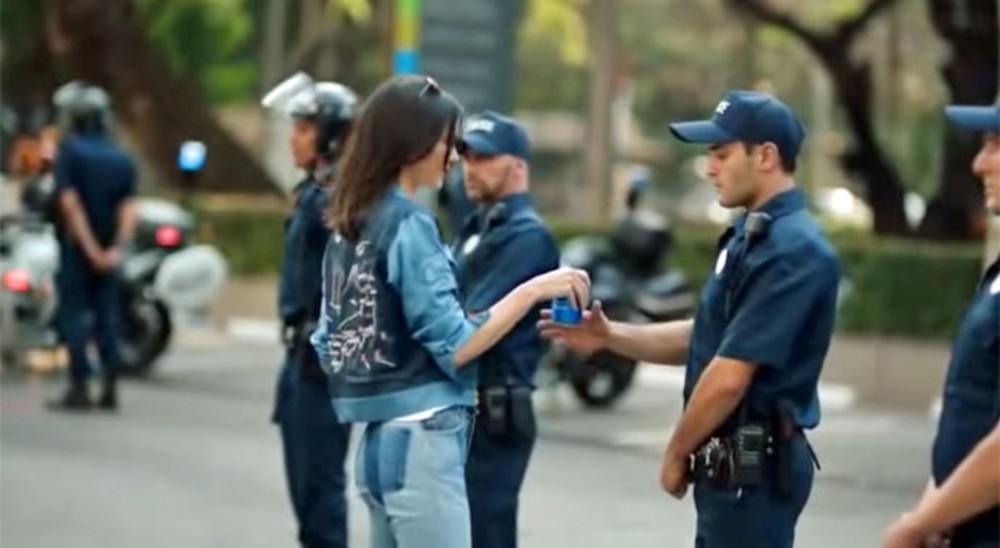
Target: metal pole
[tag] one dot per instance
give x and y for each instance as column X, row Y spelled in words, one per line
column 406, row 37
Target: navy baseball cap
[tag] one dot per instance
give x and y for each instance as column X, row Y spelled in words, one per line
column 974, row 118
column 493, row 134
column 748, row 116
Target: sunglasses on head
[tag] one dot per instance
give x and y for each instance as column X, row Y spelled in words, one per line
column 430, row 89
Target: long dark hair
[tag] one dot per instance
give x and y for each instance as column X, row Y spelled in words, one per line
column 399, row 123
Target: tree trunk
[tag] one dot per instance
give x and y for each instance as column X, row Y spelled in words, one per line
column 103, row 41
column 28, row 70
column 970, row 29
column 866, row 159
column 853, row 85
column 601, row 32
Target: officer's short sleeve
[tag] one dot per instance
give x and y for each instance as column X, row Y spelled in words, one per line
column 777, row 297
column 66, row 168
column 420, row 270
column 131, row 183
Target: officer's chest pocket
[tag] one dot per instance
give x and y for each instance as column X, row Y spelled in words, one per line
column 717, row 288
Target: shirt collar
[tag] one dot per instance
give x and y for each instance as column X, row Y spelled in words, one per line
column 497, row 213
column 779, row 205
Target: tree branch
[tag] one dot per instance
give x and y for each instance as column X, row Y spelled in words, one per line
column 766, row 13
column 849, row 28
column 819, row 42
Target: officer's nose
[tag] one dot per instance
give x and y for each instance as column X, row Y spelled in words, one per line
column 981, row 163
column 453, row 159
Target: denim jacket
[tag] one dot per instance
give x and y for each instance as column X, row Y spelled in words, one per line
column 391, row 318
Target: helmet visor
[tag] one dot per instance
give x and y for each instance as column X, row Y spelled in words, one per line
column 294, row 96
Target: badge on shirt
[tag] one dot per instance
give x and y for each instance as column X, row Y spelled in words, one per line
column 470, row 244
column 995, row 286
column 720, row 263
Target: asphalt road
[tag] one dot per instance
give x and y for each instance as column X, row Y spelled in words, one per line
column 193, row 461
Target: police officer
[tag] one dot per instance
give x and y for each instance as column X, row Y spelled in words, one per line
column 756, row 345
column 964, row 492
column 502, row 245
column 95, row 186
column 315, row 443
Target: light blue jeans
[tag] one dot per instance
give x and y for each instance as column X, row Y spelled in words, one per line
column 412, row 477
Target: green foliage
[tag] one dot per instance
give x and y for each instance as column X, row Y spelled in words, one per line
column 250, row 241
column 207, row 40
column 899, row 288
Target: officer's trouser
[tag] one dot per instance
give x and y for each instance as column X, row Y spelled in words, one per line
column 315, row 447
column 493, row 476
column 757, row 517
column 82, row 293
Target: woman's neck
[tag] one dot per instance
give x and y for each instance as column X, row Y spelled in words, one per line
column 407, row 182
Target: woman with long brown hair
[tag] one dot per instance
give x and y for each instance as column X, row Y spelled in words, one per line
column 392, row 335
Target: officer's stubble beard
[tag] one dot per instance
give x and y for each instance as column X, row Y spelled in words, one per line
column 492, row 191
column 744, row 186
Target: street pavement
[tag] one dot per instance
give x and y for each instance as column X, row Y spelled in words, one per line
column 192, row 461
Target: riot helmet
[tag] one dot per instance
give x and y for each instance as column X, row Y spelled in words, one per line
column 329, row 105
column 82, row 107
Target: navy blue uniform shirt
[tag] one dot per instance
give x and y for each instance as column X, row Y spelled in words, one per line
column 500, row 247
column 781, row 308
column 972, row 392
column 301, row 266
column 102, row 175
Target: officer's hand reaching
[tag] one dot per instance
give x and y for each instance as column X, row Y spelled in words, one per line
column 572, row 283
column 589, row 336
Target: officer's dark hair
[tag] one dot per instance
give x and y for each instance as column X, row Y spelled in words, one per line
column 788, row 165
column 399, row 124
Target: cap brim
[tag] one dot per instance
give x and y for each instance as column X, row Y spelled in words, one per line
column 478, row 143
column 703, row 131
column 974, row 118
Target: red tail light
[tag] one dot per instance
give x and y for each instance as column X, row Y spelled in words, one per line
column 17, row 280
column 168, row 236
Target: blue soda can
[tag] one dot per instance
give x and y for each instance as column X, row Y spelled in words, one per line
column 563, row 312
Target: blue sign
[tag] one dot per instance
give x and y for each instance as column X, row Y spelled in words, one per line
column 192, row 156
column 469, row 47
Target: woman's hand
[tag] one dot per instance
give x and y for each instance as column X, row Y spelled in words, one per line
column 562, row 282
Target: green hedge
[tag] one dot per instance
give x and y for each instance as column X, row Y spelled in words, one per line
column 895, row 287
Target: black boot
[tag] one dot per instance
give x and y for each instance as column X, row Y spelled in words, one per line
column 76, row 398
column 109, row 395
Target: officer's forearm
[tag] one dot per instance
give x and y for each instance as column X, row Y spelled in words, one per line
column 717, row 393
column 973, row 488
column 77, row 223
column 663, row 343
column 128, row 217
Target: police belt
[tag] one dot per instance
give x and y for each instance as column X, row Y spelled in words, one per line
column 294, row 334
column 295, row 338
column 751, row 453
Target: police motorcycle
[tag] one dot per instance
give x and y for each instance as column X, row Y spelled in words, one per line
column 628, row 277
column 164, row 273
column 29, row 261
